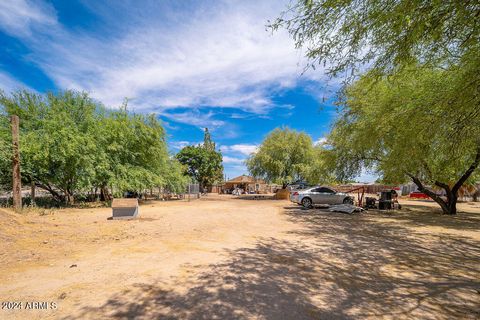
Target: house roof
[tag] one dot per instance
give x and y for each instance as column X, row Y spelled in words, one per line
column 245, row 179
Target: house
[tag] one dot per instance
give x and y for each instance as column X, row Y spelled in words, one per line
column 247, row 183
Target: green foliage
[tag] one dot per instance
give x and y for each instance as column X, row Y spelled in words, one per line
column 421, row 123
column 56, row 140
column 134, row 149
column 175, row 180
column 286, row 156
column 70, row 144
column 5, row 152
column 202, row 163
column 322, row 167
column 415, row 114
column 382, row 34
column 207, row 141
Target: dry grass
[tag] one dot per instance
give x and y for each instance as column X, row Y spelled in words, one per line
column 225, row 258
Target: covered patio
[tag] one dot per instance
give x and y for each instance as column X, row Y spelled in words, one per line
column 246, row 183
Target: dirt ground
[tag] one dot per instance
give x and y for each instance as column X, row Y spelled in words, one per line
column 226, row 258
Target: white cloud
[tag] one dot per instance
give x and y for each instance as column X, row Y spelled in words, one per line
column 194, row 117
column 234, row 157
column 236, row 171
column 223, row 59
column 367, row 176
column 245, row 149
column 9, row 84
column 179, row 144
column 232, row 160
column 321, row 141
column 217, row 55
column 238, row 116
column 20, row 17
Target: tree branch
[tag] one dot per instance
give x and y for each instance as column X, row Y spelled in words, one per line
column 47, row 187
column 468, row 173
column 431, row 194
column 442, row 185
column 436, row 182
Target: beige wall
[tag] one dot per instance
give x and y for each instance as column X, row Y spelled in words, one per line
column 262, row 187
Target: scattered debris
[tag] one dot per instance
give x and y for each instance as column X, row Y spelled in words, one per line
column 370, row 203
column 345, row 208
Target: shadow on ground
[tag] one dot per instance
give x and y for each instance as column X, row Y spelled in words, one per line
column 422, row 215
column 335, row 266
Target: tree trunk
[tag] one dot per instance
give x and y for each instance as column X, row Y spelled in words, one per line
column 32, row 193
column 69, row 199
column 104, row 194
column 55, row 195
column 452, row 205
column 17, row 185
column 452, row 198
column 475, row 195
column 449, row 207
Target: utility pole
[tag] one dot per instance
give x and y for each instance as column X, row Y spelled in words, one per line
column 17, row 186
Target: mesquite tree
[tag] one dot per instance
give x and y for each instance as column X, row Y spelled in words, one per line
column 202, row 162
column 71, row 144
column 421, row 124
column 284, row 156
column 414, row 126
column 351, row 35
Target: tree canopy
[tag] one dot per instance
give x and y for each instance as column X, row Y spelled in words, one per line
column 202, row 162
column 286, row 156
column 5, row 153
column 70, row 144
column 382, row 34
column 412, row 126
column 415, row 111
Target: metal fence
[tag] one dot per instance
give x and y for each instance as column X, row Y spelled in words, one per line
column 192, row 191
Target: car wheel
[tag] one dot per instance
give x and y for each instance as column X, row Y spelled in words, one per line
column 348, row 201
column 307, row 203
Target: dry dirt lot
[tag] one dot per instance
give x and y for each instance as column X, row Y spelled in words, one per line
column 225, row 258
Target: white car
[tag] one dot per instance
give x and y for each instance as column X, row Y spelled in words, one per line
column 319, row 195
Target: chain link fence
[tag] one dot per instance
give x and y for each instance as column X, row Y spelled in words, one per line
column 192, row 191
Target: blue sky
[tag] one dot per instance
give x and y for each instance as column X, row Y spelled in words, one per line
column 195, row 64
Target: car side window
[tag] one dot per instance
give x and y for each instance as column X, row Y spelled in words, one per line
column 324, row 190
